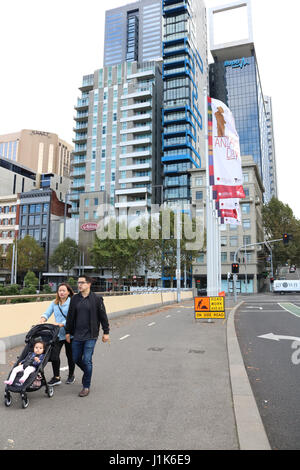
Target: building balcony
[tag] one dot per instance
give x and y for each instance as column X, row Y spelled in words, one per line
column 136, row 130
column 80, row 138
column 81, row 116
column 77, row 174
column 87, row 83
column 145, row 93
column 137, row 117
column 144, row 105
column 144, row 153
column 141, row 166
column 136, row 142
column 78, row 184
column 78, row 160
column 137, row 203
column 137, row 179
column 149, row 73
column 81, row 127
column 82, row 104
column 141, row 190
column 79, row 149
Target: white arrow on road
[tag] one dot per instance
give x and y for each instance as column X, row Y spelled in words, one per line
column 279, row 337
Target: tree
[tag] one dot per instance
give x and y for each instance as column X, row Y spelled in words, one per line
column 278, row 218
column 65, row 255
column 118, row 254
column 30, row 255
column 30, row 280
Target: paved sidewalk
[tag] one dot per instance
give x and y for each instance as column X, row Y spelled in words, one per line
column 187, row 389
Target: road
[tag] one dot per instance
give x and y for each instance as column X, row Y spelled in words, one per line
column 162, row 383
column 273, row 367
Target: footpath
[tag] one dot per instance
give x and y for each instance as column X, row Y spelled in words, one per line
column 236, row 422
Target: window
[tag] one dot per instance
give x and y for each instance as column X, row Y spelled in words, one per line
column 31, row 220
column 233, row 241
column 37, row 220
column 223, row 257
column 245, row 208
column 223, row 241
column 199, row 181
column 200, row 259
column 246, row 224
column 199, row 195
column 246, row 239
column 86, row 216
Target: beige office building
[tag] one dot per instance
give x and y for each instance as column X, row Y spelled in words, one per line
column 252, row 258
column 42, row 152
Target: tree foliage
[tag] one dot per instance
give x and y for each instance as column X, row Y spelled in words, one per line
column 278, row 218
column 30, row 255
column 65, row 255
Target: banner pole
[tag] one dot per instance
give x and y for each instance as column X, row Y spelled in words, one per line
column 209, row 212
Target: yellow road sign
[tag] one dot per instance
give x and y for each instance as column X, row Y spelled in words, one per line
column 209, row 307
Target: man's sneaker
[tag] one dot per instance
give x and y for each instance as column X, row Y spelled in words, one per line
column 70, row 379
column 54, row 381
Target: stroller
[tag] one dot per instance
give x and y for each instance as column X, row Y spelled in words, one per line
column 48, row 334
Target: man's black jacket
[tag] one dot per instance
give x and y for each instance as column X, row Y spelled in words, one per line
column 97, row 315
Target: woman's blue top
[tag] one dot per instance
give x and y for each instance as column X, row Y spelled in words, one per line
column 59, row 316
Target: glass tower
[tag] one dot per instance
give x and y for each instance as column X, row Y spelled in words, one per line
column 184, row 60
column 236, row 82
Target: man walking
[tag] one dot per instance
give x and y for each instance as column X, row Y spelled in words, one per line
column 86, row 313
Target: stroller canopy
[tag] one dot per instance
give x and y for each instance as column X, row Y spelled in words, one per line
column 47, row 333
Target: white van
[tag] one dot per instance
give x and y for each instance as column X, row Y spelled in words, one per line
column 284, row 286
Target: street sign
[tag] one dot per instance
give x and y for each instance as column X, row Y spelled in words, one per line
column 209, row 307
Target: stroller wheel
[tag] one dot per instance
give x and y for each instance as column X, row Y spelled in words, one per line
column 25, row 402
column 7, row 401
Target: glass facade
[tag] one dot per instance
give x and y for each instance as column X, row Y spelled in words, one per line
column 236, row 83
column 181, row 119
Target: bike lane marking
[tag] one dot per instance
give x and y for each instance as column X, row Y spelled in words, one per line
column 290, row 307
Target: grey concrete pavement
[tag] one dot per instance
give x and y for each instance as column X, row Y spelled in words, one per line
column 166, row 381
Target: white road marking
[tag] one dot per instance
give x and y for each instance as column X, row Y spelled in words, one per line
column 64, row 368
column 124, row 337
column 151, row 324
column 168, row 316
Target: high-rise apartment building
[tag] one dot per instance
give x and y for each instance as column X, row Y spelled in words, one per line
column 133, row 33
column 234, row 79
column 118, row 137
column 184, row 76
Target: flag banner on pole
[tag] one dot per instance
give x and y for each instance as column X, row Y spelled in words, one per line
column 227, row 204
column 233, row 220
column 228, row 213
column 210, row 143
column 225, row 167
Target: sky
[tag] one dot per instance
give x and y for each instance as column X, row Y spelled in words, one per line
column 47, row 47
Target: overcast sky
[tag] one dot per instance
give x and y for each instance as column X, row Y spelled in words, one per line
column 47, row 46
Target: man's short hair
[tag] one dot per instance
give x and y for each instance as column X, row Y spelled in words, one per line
column 87, row 279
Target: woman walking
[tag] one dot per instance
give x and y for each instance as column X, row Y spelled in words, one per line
column 60, row 307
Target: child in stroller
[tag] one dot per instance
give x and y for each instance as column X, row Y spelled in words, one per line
column 27, row 374
column 29, row 364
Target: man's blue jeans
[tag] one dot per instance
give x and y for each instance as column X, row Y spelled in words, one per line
column 82, row 355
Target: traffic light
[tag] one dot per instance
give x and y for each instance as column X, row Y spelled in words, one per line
column 235, row 268
column 271, row 280
column 286, row 238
